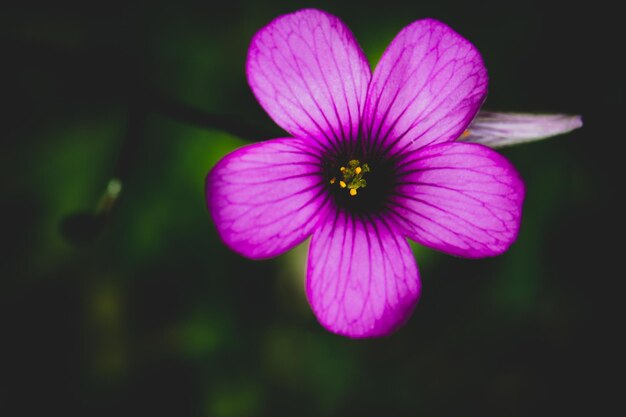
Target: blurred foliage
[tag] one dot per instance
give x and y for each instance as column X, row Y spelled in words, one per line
column 157, row 317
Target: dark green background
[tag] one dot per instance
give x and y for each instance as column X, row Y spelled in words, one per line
column 157, row 317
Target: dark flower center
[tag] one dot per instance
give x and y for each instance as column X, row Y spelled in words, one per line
column 358, row 184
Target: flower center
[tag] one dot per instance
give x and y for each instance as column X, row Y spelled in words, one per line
column 351, row 176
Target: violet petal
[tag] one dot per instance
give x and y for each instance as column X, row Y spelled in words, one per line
column 426, row 89
column 460, row 198
column 310, row 75
column 265, row 198
column 362, row 279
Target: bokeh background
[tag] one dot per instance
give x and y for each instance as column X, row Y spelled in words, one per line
column 143, row 311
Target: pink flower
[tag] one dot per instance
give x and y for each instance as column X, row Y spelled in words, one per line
column 372, row 159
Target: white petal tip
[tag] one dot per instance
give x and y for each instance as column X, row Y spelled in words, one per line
column 498, row 130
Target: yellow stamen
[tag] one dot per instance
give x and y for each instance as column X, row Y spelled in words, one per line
column 465, row 134
column 351, row 176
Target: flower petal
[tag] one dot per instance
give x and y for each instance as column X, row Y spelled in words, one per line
column 310, row 75
column 498, row 130
column 362, row 280
column 461, row 198
column 265, row 198
column 426, row 89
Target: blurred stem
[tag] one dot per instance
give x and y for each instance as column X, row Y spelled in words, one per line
column 144, row 101
column 159, row 103
column 131, row 143
column 82, row 228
